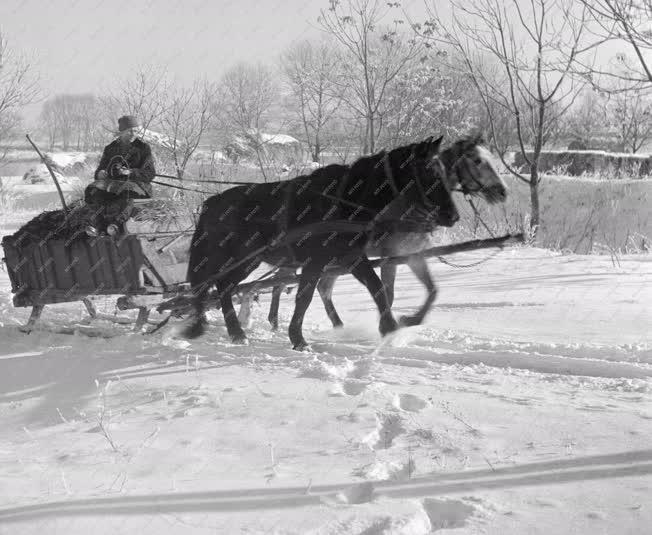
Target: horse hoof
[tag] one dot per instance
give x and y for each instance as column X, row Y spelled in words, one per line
column 302, row 346
column 388, row 327
column 240, row 339
column 195, row 330
column 409, row 321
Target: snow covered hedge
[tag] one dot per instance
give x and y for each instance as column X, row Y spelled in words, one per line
column 593, row 162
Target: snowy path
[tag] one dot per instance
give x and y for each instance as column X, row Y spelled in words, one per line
column 524, row 405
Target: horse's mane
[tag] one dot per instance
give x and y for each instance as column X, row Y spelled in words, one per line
column 327, row 170
column 364, row 166
column 461, row 147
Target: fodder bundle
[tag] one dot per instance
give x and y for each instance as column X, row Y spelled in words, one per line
column 56, row 224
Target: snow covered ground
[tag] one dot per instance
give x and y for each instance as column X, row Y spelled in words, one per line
column 523, row 405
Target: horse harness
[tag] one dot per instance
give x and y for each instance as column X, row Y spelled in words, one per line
column 283, row 225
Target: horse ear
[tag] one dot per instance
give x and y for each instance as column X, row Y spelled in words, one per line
column 479, row 139
column 435, row 145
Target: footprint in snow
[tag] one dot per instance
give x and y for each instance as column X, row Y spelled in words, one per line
column 348, row 388
column 448, row 514
column 409, row 402
column 388, row 427
column 354, row 388
column 355, row 494
column 362, row 369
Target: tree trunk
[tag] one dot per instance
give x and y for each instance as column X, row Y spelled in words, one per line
column 365, row 143
column 316, row 149
column 534, row 199
column 372, row 134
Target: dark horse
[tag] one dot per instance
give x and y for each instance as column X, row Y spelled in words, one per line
column 317, row 221
column 469, row 169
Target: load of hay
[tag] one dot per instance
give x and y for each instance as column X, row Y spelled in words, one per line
column 55, row 224
column 72, row 225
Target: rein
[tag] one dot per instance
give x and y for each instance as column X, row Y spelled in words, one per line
column 467, row 196
column 483, row 260
column 119, row 160
column 181, row 187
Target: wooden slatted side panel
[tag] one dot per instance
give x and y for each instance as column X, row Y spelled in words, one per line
column 15, row 267
column 56, row 271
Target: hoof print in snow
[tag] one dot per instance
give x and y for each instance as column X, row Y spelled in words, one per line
column 447, row 514
column 596, row 515
column 356, row 494
column 336, row 391
column 386, row 471
column 388, row 428
column 410, row 403
column 354, row 388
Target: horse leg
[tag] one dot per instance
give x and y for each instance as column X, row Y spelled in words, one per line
column 230, row 317
column 272, row 317
column 197, row 321
column 307, row 283
column 419, row 267
column 325, row 289
column 388, row 276
column 365, row 273
column 201, row 265
column 244, row 316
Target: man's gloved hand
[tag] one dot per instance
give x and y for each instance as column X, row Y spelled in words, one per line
column 123, row 171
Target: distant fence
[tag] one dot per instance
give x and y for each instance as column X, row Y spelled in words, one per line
column 593, row 162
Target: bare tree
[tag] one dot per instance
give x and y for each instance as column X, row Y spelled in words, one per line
column 248, row 93
column 428, row 98
column 587, row 122
column 18, row 88
column 142, row 93
column 309, row 70
column 630, row 114
column 72, row 118
column 189, row 112
column 49, row 122
column 627, row 21
column 373, row 56
column 533, row 47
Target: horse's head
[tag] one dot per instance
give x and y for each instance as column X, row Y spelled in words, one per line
column 472, row 167
column 420, row 176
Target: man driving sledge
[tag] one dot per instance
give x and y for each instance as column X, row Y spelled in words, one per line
column 125, row 172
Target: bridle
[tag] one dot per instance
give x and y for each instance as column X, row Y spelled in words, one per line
column 466, row 191
column 423, row 192
column 462, row 161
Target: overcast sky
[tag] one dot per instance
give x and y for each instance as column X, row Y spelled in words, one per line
column 81, row 44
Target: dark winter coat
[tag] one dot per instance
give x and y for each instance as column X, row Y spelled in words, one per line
column 137, row 157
